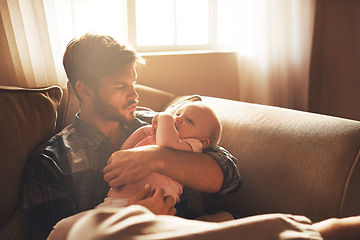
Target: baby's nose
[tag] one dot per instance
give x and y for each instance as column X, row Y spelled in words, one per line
column 178, row 119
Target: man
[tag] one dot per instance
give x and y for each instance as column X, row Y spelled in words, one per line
column 65, row 176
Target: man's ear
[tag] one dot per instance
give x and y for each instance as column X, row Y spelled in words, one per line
column 84, row 90
column 205, row 142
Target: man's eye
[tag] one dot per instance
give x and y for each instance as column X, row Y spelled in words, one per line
column 190, row 121
column 125, row 85
column 119, row 87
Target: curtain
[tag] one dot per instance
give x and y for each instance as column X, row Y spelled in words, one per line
column 30, row 41
column 335, row 62
column 274, row 52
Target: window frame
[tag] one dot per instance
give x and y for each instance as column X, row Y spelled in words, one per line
column 132, row 38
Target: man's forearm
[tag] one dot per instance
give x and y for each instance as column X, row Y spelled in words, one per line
column 109, row 223
column 195, row 170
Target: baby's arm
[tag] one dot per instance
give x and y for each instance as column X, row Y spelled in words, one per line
column 167, row 135
column 137, row 136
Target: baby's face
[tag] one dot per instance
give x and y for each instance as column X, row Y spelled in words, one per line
column 193, row 121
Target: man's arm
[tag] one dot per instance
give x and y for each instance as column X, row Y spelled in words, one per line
column 136, row 222
column 45, row 200
column 195, row 170
column 339, row 228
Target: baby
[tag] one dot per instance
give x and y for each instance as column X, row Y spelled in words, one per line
column 193, row 127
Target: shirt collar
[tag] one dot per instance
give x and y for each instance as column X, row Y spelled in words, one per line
column 131, row 126
column 91, row 134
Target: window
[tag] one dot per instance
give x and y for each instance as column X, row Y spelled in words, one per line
column 172, row 23
column 154, row 25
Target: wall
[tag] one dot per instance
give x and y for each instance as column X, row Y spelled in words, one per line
column 204, row 73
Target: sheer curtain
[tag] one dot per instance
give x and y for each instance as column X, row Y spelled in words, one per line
column 274, row 52
column 31, row 37
column 34, row 35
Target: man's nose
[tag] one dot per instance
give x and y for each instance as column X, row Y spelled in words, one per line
column 133, row 95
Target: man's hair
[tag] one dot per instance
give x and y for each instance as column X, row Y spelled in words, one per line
column 93, row 57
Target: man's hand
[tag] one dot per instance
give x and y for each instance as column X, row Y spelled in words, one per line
column 127, row 166
column 157, row 202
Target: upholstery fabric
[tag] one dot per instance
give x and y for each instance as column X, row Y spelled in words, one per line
column 27, row 118
column 14, row 229
column 153, row 98
column 290, row 161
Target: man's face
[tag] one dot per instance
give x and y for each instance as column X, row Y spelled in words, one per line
column 116, row 98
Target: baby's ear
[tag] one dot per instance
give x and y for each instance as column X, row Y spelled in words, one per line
column 205, row 142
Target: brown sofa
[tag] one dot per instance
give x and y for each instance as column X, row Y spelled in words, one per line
column 290, row 161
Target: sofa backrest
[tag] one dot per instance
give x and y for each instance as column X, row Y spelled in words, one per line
column 27, row 120
column 291, row 161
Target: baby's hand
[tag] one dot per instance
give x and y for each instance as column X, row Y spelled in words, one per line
column 155, row 122
column 149, row 131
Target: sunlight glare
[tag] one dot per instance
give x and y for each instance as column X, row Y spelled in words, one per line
column 192, row 21
column 155, row 22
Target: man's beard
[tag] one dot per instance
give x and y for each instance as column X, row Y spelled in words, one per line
column 111, row 112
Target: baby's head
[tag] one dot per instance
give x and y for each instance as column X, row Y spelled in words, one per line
column 196, row 120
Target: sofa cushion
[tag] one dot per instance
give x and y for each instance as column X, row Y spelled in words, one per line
column 27, row 120
column 153, row 98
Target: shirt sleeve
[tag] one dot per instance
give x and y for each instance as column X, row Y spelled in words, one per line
column 228, row 164
column 45, row 199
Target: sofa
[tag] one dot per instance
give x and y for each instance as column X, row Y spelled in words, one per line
column 290, row 161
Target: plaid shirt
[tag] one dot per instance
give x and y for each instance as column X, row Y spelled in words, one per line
column 65, row 177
